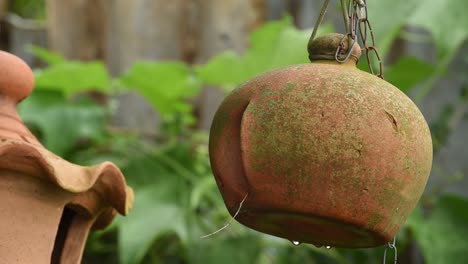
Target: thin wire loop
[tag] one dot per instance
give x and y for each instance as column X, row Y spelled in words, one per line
column 341, row 47
column 391, row 246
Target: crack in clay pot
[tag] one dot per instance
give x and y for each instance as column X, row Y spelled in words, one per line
column 392, row 119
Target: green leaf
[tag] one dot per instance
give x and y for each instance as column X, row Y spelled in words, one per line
column 223, row 69
column 202, row 186
column 407, row 72
column 62, row 124
column 49, row 57
column 73, row 77
column 234, row 250
column 274, row 45
column 162, row 187
column 446, row 20
column 291, row 46
column 442, row 236
column 387, row 18
column 165, row 85
column 32, row 9
column 151, row 217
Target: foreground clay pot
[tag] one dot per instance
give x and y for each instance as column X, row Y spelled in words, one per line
column 47, row 205
column 327, row 154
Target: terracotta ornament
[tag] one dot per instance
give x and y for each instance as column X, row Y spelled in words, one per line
column 47, row 205
column 327, row 154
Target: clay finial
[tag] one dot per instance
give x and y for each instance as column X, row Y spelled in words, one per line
column 16, row 78
column 16, row 83
column 40, row 185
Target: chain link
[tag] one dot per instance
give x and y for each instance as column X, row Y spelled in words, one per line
column 360, row 30
column 391, row 246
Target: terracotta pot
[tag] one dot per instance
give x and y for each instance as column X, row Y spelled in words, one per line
column 47, row 205
column 328, row 154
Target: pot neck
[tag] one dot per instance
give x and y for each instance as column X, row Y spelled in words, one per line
column 11, row 125
column 334, row 49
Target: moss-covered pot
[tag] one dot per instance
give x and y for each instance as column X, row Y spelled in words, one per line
column 328, row 154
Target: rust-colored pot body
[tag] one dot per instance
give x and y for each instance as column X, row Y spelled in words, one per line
column 328, row 155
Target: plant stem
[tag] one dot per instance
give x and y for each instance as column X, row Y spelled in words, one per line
column 319, row 21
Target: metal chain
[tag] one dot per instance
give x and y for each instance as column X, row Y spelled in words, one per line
column 391, row 246
column 359, row 29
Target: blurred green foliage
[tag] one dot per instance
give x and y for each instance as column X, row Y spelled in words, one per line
column 272, row 46
column 176, row 196
column 33, row 9
column 442, row 234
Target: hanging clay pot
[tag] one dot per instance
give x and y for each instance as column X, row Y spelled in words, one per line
column 327, row 154
column 47, row 205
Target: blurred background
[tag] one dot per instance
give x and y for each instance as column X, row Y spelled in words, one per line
column 137, row 82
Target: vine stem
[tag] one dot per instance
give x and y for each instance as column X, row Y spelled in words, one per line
column 319, row 21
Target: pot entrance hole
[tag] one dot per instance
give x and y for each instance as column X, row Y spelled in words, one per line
column 63, row 230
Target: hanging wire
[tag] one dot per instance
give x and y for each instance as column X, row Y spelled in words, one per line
column 346, row 17
column 319, row 21
column 391, row 246
column 230, row 220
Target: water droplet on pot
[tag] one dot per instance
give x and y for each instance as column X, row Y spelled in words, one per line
column 296, row 243
column 318, row 245
column 328, row 247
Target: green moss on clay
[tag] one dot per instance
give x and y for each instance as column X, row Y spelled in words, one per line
column 329, row 141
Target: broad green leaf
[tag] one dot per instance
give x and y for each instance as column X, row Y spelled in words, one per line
column 31, row 9
column 291, row 46
column 446, row 20
column 235, row 250
column 407, row 72
column 224, row 69
column 62, row 124
column 387, row 18
column 151, row 217
column 73, row 77
column 442, row 236
column 160, row 207
column 274, row 45
column 49, row 57
column 166, row 85
column 203, row 186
